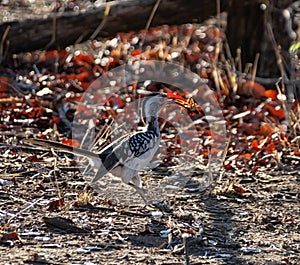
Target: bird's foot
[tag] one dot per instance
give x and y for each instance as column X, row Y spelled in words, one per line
column 161, row 205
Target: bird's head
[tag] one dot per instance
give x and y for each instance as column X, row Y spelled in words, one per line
column 152, row 103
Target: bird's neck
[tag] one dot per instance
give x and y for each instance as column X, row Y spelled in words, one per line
column 153, row 126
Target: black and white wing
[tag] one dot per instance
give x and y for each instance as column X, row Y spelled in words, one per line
column 125, row 150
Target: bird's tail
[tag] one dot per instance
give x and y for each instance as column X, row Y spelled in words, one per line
column 63, row 147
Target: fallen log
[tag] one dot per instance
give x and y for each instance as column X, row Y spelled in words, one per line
column 62, row 29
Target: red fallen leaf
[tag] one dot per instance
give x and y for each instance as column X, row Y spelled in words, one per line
column 215, row 33
column 77, row 96
column 62, row 54
column 247, row 156
column 238, row 189
column 282, row 220
column 115, row 53
column 204, row 153
column 276, row 111
column 270, row 148
column 296, row 153
column 152, row 54
column 42, row 136
column 34, row 112
column 267, row 129
column 49, row 55
column 286, row 261
column 227, row 165
column 55, row 205
column 71, row 76
column 205, row 73
column 56, row 119
column 254, row 170
column 82, row 76
column 289, row 219
column 257, row 90
column 116, row 102
column 10, row 236
column 189, row 231
column 71, row 142
column 255, row 145
column 109, row 202
column 83, row 58
column 4, row 127
column 85, row 85
column 173, row 29
column 251, row 88
column 262, row 162
column 84, row 110
column 250, row 128
column 113, row 63
column 271, row 94
column 207, row 132
column 32, row 158
column 136, row 52
column 126, row 36
column 134, row 86
column 191, row 57
column 215, row 151
column 3, row 86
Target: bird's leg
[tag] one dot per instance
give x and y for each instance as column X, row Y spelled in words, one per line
column 131, row 177
column 136, row 180
column 136, row 183
column 140, row 191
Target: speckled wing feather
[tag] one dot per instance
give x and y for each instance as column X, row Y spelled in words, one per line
column 141, row 142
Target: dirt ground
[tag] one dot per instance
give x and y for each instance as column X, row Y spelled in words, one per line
column 259, row 226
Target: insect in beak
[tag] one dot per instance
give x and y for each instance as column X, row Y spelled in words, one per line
column 184, row 103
